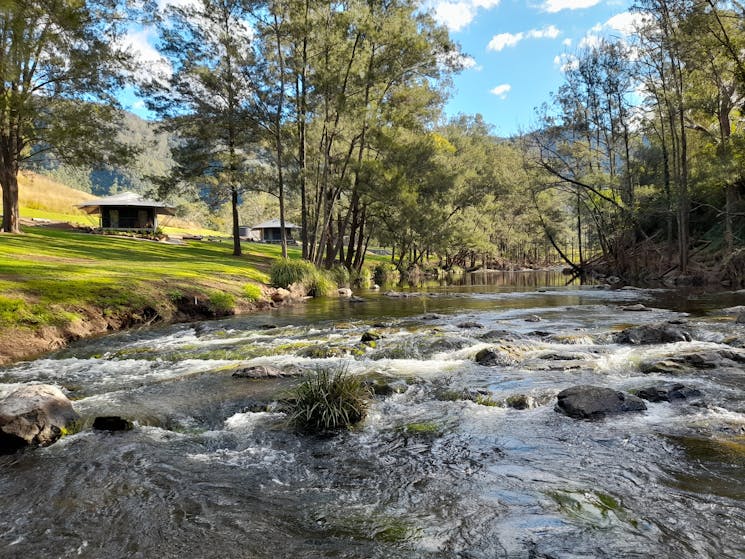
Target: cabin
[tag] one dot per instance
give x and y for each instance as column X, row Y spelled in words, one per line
column 127, row 211
column 269, row 232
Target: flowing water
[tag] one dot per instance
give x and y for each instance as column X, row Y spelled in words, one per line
column 433, row 472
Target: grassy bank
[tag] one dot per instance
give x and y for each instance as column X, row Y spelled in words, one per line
column 60, row 285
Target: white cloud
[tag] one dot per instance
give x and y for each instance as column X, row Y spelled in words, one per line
column 468, row 62
column 550, row 32
column 457, row 15
column 150, row 62
column 567, row 42
column 625, row 22
column 590, row 41
column 566, row 62
column 553, row 6
column 504, row 40
column 501, row 91
column 459, row 60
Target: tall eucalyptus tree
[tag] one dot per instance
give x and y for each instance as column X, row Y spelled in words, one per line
column 207, row 98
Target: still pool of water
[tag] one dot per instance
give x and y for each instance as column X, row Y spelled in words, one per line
column 430, row 473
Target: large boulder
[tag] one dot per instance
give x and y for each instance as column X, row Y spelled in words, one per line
column 593, row 402
column 652, row 334
column 34, row 415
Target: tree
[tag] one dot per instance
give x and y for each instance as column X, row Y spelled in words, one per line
column 207, row 98
column 61, row 61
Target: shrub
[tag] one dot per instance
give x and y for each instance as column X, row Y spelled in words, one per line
column 363, row 278
column 252, row 292
column 327, row 400
column 221, row 302
column 386, row 273
column 318, row 283
column 284, row 273
column 340, row 275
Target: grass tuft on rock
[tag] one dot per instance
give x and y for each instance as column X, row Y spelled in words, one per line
column 328, row 400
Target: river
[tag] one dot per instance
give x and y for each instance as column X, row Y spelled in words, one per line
column 208, row 472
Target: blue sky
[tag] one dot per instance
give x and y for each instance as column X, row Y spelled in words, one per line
column 517, row 49
column 514, row 52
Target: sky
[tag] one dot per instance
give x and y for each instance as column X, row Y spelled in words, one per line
column 515, row 52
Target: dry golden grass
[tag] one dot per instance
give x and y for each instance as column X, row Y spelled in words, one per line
column 42, row 197
column 41, row 193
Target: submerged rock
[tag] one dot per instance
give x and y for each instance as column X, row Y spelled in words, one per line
column 533, row 318
column 652, row 334
column 259, row 372
column 668, row 393
column 520, row 402
column 636, row 308
column 593, row 402
column 34, row 415
column 470, row 324
column 112, row 423
column 501, row 335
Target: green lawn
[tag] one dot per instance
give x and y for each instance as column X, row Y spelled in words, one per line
column 48, row 276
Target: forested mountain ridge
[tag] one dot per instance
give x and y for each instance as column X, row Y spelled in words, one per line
column 152, row 159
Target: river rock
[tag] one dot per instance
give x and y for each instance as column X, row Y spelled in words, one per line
column 280, row 295
column 259, row 372
column 112, row 423
column 533, row 318
column 370, row 336
column 344, row 292
column 494, row 358
column 636, row 308
column 652, row 334
column 740, row 318
column 699, row 360
column 469, row 324
column 592, row 402
column 501, row 335
column 519, row 402
column 34, row 415
column 447, row 343
column 668, row 393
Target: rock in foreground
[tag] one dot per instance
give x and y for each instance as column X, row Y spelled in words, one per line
column 34, row 415
column 593, row 402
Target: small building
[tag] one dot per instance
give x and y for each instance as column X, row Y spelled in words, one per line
column 127, row 211
column 269, row 231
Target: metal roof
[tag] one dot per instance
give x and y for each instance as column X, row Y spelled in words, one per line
column 275, row 224
column 126, row 199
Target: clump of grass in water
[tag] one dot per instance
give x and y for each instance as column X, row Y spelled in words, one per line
column 327, row 400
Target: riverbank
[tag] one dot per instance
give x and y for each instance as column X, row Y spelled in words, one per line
column 59, row 286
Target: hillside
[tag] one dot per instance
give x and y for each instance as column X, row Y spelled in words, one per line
column 42, row 198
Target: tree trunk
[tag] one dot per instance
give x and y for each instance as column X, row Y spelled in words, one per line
column 11, row 216
column 236, row 230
